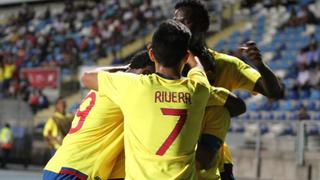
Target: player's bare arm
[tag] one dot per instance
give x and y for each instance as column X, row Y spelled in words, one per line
column 268, row 84
column 209, row 145
column 113, row 68
column 235, row 105
column 194, row 62
column 90, row 80
column 207, row 150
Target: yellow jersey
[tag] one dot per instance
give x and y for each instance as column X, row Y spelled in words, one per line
column 230, row 73
column 1, row 74
column 8, row 71
column 51, row 128
column 94, row 141
column 162, row 121
column 226, row 157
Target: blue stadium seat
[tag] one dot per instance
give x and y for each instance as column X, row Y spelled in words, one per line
column 280, row 115
column 291, row 94
column 315, row 94
column 288, row 130
column 245, row 95
column 266, row 115
column 304, row 94
column 292, row 115
column 264, row 129
column 255, row 115
column 19, row 132
column 252, row 106
column 316, row 116
column 285, row 105
column 310, row 105
column 245, row 116
column 239, row 128
column 312, row 129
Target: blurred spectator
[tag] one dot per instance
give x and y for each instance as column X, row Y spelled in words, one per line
column 13, row 88
column 57, row 126
column 43, row 100
column 34, row 101
column 24, row 88
column 78, row 34
column 315, row 77
column 278, row 52
column 9, row 68
column 6, row 142
column 303, row 114
column 1, row 75
column 313, row 39
column 313, row 54
column 302, row 58
column 300, row 17
column 115, row 59
column 307, row 16
column 303, row 78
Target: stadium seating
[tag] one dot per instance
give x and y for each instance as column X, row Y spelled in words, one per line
column 283, row 45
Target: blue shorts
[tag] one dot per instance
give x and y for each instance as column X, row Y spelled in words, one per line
column 64, row 174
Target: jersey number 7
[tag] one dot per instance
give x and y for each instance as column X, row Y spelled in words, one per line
column 182, row 113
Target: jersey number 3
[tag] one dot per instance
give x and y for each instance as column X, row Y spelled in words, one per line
column 182, row 113
column 84, row 113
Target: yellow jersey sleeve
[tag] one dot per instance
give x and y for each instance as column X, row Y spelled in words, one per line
column 246, row 76
column 226, row 157
column 232, row 73
column 50, row 128
column 198, row 75
column 216, row 122
column 113, row 85
column 1, row 74
column 218, row 96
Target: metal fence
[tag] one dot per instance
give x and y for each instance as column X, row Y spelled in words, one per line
column 293, row 138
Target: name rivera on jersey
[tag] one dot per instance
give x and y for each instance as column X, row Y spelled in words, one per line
column 175, row 97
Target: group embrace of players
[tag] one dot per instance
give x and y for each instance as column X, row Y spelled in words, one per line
column 167, row 116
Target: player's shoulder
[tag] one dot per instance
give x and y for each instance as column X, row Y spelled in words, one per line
column 120, row 75
column 225, row 58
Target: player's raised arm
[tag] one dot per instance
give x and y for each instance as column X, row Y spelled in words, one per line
column 223, row 97
column 268, row 84
column 113, row 68
column 90, row 80
column 194, row 62
column 235, row 105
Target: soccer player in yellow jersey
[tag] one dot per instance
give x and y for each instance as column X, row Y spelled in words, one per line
column 56, row 127
column 94, row 143
column 234, row 105
column 162, row 112
column 223, row 70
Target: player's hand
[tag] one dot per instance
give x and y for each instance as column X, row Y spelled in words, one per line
column 250, row 50
column 193, row 61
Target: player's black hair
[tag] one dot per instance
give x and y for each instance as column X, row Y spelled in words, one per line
column 198, row 13
column 140, row 60
column 170, row 43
